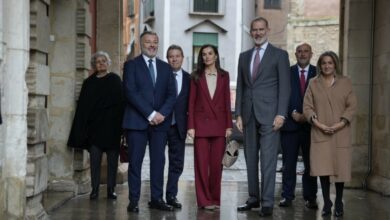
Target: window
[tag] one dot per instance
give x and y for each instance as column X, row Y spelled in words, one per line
column 272, row 4
column 200, row 39
column 130, row 8
column 148, row 9
column 206, row 6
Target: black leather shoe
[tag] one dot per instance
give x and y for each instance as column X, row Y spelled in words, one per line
column 339, row 210
column 160, row 204
column 174, row 203
column 285, row 202
column 94, row 194
column 111, row 193
column 311, row 204
column 265, row 211
column 133, row 207
column 248, row 206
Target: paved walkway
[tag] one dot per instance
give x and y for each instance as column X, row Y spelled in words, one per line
column 359, row 204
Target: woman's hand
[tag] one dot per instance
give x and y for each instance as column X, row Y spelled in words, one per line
column 229, row 132
column 191, row 133
column 338, row 126
column 322, row 127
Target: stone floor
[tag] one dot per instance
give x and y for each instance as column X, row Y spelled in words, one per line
column 359, row 204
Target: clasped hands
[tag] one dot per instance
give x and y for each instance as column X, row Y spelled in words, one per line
column 329, row 129
column 157, row 119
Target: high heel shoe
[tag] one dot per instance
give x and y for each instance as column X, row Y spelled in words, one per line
column 327, row 209
column 339, row 209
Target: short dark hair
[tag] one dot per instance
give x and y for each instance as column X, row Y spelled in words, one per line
column 175, row 47
column 259, row 19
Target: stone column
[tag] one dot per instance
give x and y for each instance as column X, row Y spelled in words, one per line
column 355, row 54
column 13, row 131
column 380, row 176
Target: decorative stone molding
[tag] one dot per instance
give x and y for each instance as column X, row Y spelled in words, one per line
column 37, row 124
column 38, row 79
column 37, row 176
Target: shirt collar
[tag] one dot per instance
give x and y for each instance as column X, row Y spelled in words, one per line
column 148, row 58
column 179, row 73
column 306, row 68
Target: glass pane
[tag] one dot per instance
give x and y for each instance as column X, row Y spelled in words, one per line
column 272, row 4
column 200, row 39
column 206, row 6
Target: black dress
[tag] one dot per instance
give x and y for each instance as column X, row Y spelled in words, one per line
column 99, row 113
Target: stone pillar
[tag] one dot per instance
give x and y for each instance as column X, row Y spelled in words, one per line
column 355, row 54
column 61, row 100
column 13, row 131
column 380, row 177
column 38, row 83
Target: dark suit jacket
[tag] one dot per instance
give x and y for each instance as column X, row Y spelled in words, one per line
column 210, row 117
column 181, row 106
column 268, row 95
column 296, row 98
column 143, row 98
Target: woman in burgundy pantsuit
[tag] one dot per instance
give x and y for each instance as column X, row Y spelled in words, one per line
column 209, row 123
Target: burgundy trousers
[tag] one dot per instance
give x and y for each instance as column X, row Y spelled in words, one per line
column 208, row 153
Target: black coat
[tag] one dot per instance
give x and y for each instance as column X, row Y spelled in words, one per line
column 99, row 113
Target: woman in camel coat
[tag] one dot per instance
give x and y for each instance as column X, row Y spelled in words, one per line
column 330, row 105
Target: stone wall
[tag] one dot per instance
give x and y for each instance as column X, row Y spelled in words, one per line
column 319, row 29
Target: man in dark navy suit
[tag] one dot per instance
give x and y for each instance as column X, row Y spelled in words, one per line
column 178, row 132
column 150, row 97
column 295, row 133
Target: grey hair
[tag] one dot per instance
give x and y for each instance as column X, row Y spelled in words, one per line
column 100, row 54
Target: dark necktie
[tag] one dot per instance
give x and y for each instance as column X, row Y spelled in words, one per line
column 177, row 91
column 256, row 63
column 151, row 71
column 303, row 82
column 176, row 85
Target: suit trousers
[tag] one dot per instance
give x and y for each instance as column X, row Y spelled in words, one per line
column 176, row 147
column 95, row 162
column 208, row 153
column 292, row 141
column 261, row 138
column 137, row 140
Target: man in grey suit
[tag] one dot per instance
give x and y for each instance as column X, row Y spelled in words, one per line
column 262, row 96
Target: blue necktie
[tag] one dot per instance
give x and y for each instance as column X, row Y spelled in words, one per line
column 151, row 71
column 177, row 93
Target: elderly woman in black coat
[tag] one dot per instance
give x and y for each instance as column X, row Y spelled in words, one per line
column 97, row 121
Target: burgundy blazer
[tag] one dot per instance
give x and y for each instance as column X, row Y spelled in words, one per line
column 210, row 117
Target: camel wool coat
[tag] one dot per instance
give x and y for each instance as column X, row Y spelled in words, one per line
column 330, row 155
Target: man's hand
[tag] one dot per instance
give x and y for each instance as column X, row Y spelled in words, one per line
column 278, row 122
column 191, row 133
column 298, row 117
column 239, row 124
column 158, row 118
